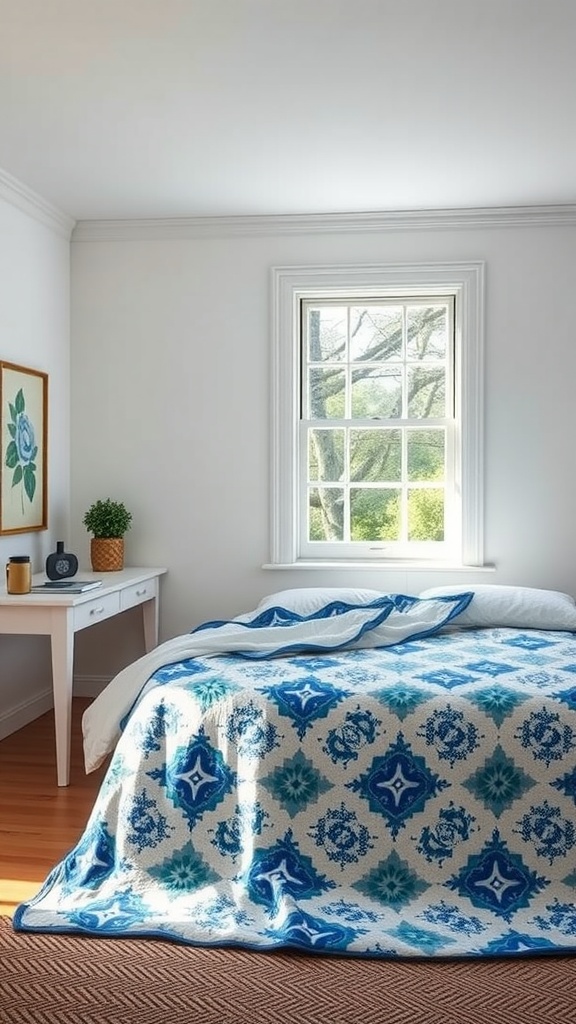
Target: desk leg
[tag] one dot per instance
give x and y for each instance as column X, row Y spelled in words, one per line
column 150, row 620
column 62, row 669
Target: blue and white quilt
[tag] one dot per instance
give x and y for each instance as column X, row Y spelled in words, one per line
column 338, row 788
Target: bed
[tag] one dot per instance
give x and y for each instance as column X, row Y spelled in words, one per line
column 338, row 771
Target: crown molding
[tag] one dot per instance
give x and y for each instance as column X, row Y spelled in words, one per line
column 320, row 223
column 19, row 195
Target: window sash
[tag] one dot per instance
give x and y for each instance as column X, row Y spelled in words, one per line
column 402, row 548
column 342, row 361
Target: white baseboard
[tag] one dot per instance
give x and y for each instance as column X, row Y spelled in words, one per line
column 89, row 686
column 17, row 717
column 22, row 714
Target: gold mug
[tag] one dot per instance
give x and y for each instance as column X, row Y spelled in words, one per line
column 18, row 575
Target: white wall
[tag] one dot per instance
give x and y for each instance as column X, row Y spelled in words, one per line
column 170, row 406
column 34, row 332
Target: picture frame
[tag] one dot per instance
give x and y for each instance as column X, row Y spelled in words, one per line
column 23, row 449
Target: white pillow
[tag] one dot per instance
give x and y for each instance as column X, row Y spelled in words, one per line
column 515, row 607
column 307, row 600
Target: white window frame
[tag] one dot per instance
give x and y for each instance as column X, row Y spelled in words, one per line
column 290, row 285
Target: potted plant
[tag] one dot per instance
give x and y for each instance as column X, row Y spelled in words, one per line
column 108, row 521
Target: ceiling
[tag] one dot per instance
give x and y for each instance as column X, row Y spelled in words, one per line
column 185, row 108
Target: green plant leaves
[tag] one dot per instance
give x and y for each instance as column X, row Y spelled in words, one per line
column 19, row 402
column 107, row 519
column 12, row 459
column 29, row 482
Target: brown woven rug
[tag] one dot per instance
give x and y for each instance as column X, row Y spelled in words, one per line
column 57, row 979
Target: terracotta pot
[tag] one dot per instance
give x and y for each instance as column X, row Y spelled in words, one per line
column 107, row 554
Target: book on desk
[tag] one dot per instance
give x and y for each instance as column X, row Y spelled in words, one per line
column 65, row 586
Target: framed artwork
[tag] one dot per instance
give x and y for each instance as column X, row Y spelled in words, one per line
column 23, row 449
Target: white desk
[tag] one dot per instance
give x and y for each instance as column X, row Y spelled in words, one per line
column 62, row 615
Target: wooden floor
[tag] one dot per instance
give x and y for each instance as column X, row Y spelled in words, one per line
column 39, row 821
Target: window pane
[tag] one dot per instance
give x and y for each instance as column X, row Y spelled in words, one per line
column 426, row 392
column 377, row 393
column 375, row 455
column 327, row 333
column 374, row 513
column 325, row 455
column 326, row 513
column 427, row 332
column 426, row 513
column 425, row 454
column 375, row 332
column 326, row 394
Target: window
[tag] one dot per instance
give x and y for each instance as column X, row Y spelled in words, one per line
column 377, row 402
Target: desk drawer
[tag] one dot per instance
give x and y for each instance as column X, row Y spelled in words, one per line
column 96, row 610
column 138, row 593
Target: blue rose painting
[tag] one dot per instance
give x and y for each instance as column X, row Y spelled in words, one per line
column 22, row 449
column 23, row 440
column 24, row 402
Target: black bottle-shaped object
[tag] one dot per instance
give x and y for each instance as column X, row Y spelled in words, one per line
column 61, row 563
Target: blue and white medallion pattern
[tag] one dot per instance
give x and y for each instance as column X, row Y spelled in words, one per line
column 417, row 801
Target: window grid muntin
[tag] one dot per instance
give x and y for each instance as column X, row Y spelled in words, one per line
column 402, row 547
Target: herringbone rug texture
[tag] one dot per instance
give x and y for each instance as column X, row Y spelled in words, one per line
column 57, row 979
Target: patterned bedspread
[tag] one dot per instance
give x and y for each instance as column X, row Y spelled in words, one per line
column 415, row 801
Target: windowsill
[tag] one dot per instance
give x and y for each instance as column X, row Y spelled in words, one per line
column 381, row 566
